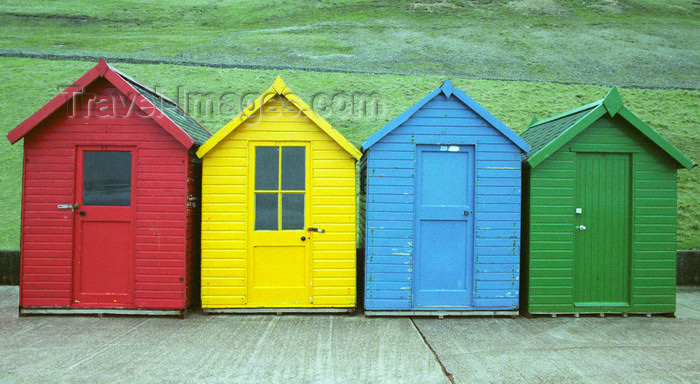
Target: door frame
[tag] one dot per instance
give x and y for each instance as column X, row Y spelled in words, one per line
column 79, row 152
column 591, row 149
column 419, row 147
column 250, row 213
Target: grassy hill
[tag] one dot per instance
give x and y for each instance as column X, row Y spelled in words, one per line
column 27, row 84
column 643, row 43
column 396, row 50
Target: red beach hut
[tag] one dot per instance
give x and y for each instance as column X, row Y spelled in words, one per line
column 110, row 200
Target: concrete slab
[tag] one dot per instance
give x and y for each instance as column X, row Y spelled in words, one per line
column 568, row 349
column 226, row 349
column 688, row 302
column 349, row 349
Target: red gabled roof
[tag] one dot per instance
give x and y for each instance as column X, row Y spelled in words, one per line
column 101, row 70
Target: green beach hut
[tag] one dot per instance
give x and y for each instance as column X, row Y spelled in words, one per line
column 599, row 213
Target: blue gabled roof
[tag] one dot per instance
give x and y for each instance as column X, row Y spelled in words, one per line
column 448, row 90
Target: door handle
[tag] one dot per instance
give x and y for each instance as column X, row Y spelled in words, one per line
column 72, row 207
column 581, row 227
column 303, row 238
column 466, row 213
column 81, row 213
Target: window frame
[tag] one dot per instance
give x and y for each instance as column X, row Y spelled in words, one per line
column 279, row 192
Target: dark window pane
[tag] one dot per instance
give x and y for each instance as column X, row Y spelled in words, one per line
column 266, row 168
column 107, row 178
column 292, row 211
column 266, row 211
column 293, row 168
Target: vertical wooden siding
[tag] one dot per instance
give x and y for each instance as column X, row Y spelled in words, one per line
column 47, row 233
column 551, row 217
column 362, row 202
column 194, row 223
column 390, row 207
column 225, row 214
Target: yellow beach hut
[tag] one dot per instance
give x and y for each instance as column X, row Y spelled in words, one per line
column 278, row 211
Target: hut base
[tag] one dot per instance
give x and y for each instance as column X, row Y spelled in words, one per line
column 277, row 311
column 598, row 314
column 441, row 314
column 181, row 313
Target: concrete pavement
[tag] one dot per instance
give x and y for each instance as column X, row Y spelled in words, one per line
column 572, row 350
column 349, row 349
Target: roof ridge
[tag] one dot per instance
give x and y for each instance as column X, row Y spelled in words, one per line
column 613, row 101
column 448, row 90
column 279, row 88
column 140, row 84
column 539, row 136
column 550, row 135
column 568, row 113
column 279, row 85
column 183, row 131
column 179, row 111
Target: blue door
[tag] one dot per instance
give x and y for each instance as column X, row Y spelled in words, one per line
column 444, row 257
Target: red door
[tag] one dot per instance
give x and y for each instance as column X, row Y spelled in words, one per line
column 103, row 261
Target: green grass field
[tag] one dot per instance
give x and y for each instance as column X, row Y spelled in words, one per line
column 648, row 43
column 27, row 84
column 397, row 51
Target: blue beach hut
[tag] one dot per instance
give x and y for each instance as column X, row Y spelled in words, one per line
column 440, row 211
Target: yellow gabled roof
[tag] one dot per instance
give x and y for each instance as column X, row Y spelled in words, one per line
column 278, row 88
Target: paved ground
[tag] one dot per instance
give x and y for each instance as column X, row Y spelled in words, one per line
column 349, row 349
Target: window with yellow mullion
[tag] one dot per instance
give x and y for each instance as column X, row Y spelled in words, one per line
column 280, row 187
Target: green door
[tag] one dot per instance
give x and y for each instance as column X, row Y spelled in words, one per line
column 602, row 231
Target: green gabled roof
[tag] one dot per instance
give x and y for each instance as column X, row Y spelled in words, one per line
column 547, row 136
column 170, row 109
column 539, row 137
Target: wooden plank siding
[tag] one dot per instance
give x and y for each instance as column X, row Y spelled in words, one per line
column 161, row 185
column 194, row 224
column 389, row 174
column 225, row 213
column 549, row 252
column 362, row 203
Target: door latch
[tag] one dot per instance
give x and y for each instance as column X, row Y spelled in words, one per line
column 319, row 230
column 72, row 207
column 581, row 227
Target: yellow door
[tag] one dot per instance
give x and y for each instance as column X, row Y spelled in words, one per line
column 279, row 248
